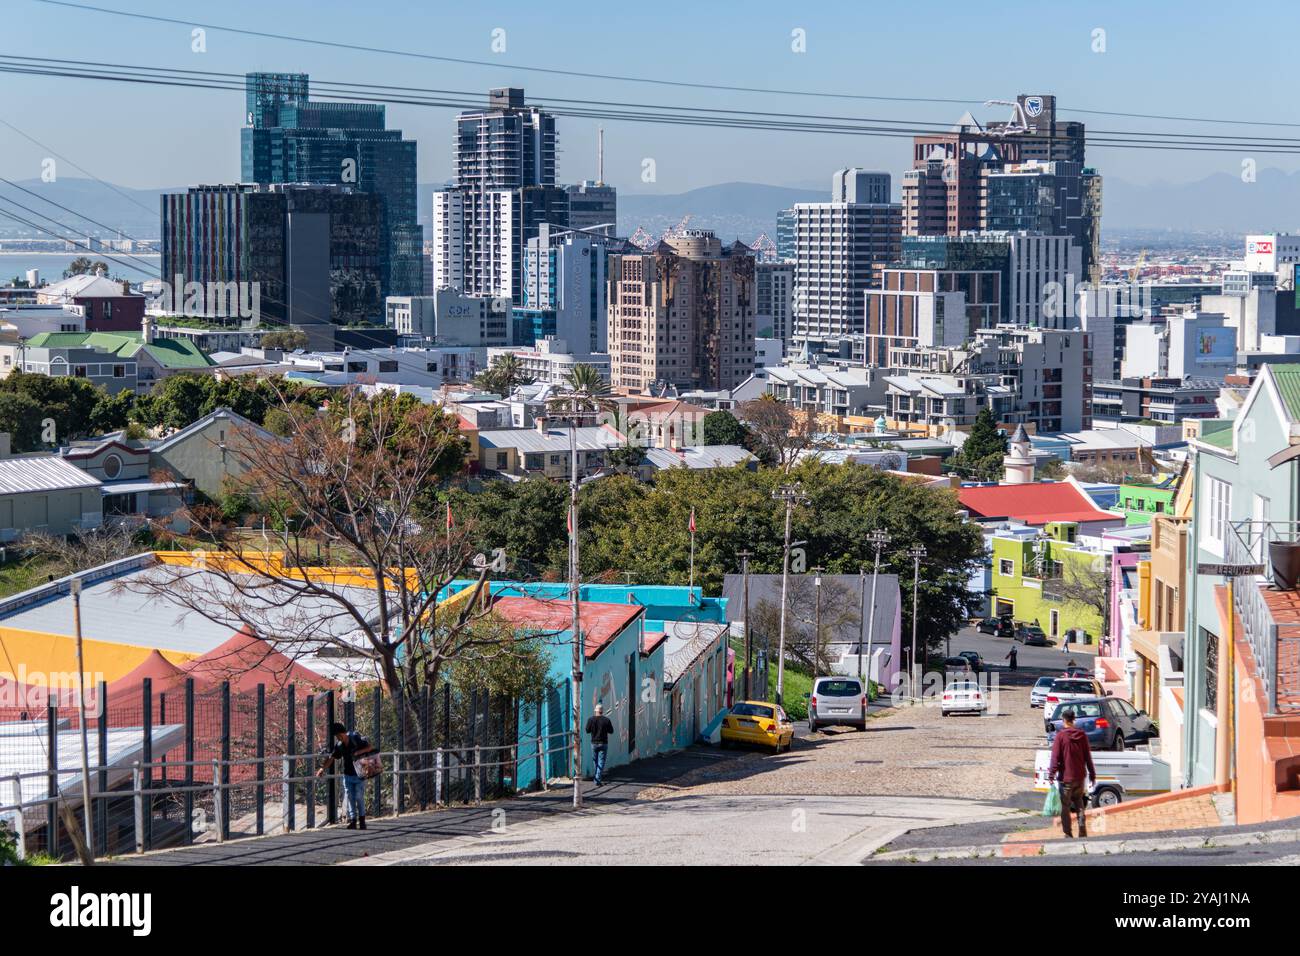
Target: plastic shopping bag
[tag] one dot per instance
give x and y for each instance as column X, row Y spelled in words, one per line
column 1052, row 803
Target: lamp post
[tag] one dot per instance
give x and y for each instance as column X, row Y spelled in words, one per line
column 879, row 540
column 916, row 554
column 817, row 620
column 790, row 494
column 744, row 577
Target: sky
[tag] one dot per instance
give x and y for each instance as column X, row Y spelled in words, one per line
column 1198, row 59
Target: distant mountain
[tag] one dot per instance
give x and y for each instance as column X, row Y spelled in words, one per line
column 132, row 211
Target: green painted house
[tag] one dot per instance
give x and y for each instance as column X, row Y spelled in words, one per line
column 1029, row 568
column 1140, row 500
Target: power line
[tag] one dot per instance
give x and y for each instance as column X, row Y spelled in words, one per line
column 14, row 202
column 652, row 81
column 40, row 228
column 752, row 120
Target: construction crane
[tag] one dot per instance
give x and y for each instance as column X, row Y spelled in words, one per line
column 1137, row 269
column 678, row 230
column 642, row 239
column 764, row 247
column 1016, row 124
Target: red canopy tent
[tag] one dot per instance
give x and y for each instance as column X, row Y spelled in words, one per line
column 246, row 661
column 20, row 701
column 167, row 678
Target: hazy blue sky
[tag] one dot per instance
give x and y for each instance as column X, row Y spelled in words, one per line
column 1220, row 60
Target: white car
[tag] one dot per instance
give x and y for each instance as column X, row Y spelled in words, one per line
column 1038, row 693
column 963, row 697
column 1066, row 689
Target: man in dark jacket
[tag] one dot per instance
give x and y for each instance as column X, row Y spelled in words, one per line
column 599, row 727
column 1071, row 760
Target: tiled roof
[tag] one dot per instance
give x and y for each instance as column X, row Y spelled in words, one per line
column 600, row 623
column 1036, row 503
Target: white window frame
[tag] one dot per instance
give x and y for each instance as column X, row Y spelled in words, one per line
column 1002, row 563
column 1218, row 515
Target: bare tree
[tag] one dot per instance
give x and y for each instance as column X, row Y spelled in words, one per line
column 781, row 432
column 83, row 548
column 1084, row 584
column 807, row 644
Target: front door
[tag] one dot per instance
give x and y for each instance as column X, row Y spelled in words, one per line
column 1054, row 622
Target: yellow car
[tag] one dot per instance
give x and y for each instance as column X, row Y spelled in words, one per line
column 757, row 722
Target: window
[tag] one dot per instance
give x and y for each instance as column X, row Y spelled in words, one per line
column 119, row 371
column 1218, row 512
column 1006, row 567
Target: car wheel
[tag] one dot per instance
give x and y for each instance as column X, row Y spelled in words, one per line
column 812, row 726
column 1106, row 797
column 862, row 726
column 943, row 713
column 1118, row 745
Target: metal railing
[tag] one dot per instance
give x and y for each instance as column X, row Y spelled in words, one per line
column 466, row 766
column 1271, row 643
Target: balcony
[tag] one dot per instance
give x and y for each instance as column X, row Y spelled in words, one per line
column 1270, row 617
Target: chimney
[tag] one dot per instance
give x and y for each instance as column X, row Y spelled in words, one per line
column 146, row 329
column 541, row 424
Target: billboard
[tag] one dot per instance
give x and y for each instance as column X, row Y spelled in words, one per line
column 1216, row 345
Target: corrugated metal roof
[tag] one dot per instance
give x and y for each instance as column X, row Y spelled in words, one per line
column 555, row 440
column 27, row 475
column 1287, row 378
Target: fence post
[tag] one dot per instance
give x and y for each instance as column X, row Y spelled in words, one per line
column 478, row 776
column 101, row 804
column 146, row 721
column 52, row 778
column 189, row 760
column 377, row 739
column 261, row 755
column 399, row 792
column 397, row 783
column 20, row 829
column 542, row 743
column 310, row 731
column 437, row 777
column 137, row 794
column 290, row 763
column 331, row 781
column 426, row 729
column 219, row 800
column 224, row 830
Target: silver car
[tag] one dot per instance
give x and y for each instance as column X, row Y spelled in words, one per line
column 837, row 700
column 1038, row 693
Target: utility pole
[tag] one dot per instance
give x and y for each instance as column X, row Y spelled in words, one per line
column 74, row 587
column 789, row 494
column 576, row 627
column 916, row 554
column 744, row 577
column 879, row 540
column 817, row 620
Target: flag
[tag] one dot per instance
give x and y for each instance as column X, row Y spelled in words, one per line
column 450, row 522
column 692, row 521
column 568, row 520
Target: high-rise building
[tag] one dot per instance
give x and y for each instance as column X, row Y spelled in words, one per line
column 593, row 206
column 290, row 139
column 504, row 190
column 682, row 314
column 860, row 186
column 839, row 249
column 564, row 289
column 774, row 300
column 785, row 220
column 310, row 255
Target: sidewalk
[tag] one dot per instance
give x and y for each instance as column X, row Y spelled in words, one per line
column 327, row 846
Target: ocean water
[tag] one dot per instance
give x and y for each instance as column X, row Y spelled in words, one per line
column 52, row 264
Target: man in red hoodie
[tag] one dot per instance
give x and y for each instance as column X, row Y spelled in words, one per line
column 1071, row 760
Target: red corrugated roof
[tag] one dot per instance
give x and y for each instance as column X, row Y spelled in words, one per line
column 1036, row 503
column 652, row 639
column 600, row 623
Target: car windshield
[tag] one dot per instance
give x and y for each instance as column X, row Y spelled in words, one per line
column 751, row 710
column 1086, row 709
column 839, row 688
column 964, row 686
column 1073, row 687
column 1045, row 682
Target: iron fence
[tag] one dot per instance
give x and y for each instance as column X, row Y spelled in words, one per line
column 1274, row 645
column 191, row 765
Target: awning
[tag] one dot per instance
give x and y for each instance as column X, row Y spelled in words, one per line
column 134, row 487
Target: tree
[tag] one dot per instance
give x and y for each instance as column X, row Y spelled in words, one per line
column 841, row 612
column 503, row 376
column 285, row 339
column 1054, row 470
column 81, row 266
column 723, row 428
column 780, row 435
column 20, row 416
column 980, row 458
column 70, row 403
column 587, row 380
column 83, row 548
column 1085, row 584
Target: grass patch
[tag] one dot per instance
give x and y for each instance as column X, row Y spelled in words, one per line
column 16, row 576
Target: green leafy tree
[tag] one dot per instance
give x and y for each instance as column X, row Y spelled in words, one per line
column 980, row 458
column 587, row 380
column 20, row 416
column 503, row 376
column 723, row 428
column 286, row 339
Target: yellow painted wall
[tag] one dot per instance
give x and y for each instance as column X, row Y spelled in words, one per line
column 33, row 656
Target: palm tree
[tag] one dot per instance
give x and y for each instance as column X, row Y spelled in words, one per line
column 503, row 376
column 586, row 381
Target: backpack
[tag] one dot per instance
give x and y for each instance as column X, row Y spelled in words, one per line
column 365, row 758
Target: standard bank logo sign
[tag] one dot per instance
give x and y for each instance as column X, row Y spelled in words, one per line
column 1033, row 106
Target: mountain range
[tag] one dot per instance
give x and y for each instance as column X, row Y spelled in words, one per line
column 1218, row 203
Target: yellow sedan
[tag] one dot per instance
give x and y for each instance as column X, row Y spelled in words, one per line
column 758, row 722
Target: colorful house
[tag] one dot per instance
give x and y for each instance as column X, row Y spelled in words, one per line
column 1037, row 504
column 1139, row 501
column 1030, row 568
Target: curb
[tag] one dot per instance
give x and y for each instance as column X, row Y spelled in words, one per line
column 1086, row 847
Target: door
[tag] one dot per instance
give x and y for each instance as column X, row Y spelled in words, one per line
column 632, row 700
column 1054, row 622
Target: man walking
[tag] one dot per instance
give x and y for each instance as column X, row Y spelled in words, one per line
column 347, row 744
column 599, row 727
column 1071, row 760
column 1011, row 656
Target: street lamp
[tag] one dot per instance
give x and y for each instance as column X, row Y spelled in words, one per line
column 790, row 494
column 916, row 554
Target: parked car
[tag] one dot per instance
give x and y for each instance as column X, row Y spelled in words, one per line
column 1110, row 723
column 997, row 626
column 1066, row 689
column 1077, row 671
column 1038, row 693
column 976, row 662
column 963, row 697
column 960, row 664
column 1031, row 635
column 837, row 701
column 757, row 722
